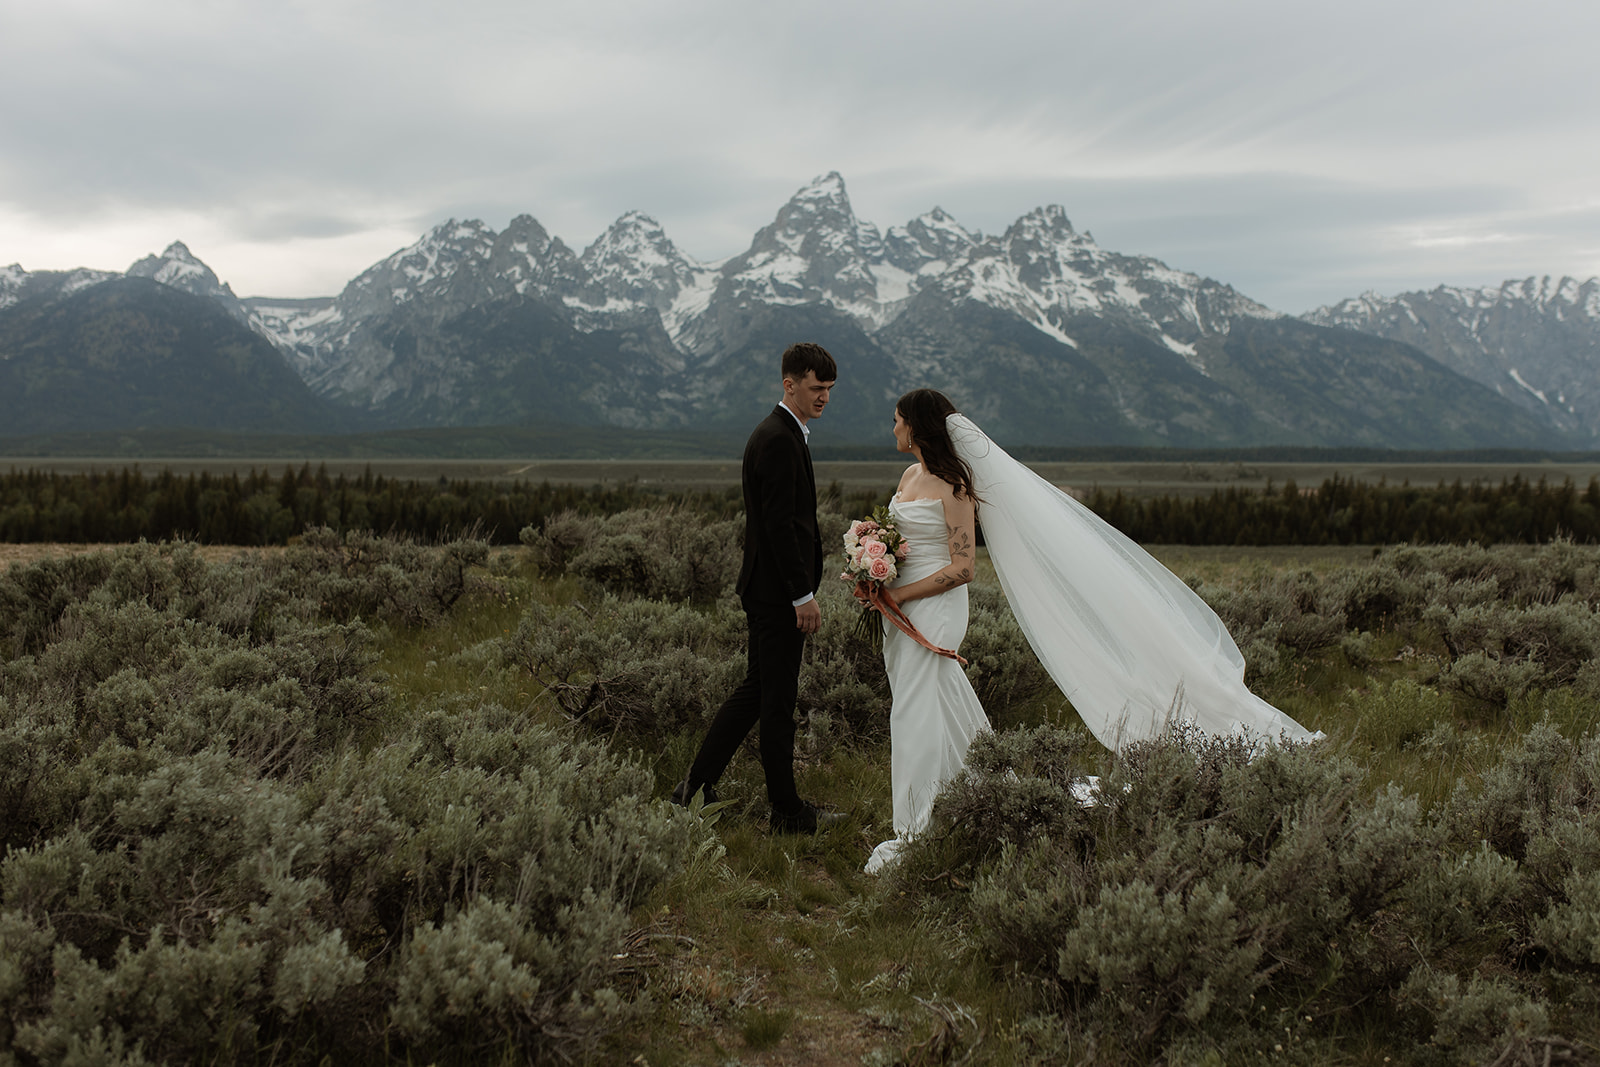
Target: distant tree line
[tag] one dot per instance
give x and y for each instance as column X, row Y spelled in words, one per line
column 1343, row 511
column 262, row 508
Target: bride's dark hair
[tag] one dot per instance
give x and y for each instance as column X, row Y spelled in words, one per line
column 924, row 411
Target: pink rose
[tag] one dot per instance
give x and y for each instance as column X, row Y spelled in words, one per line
column 874, row 549
column 880, row 570
column 903, row 549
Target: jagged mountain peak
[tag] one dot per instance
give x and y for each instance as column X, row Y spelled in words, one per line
column 932, row 240
column 1046, row 225
column 814, row 251
column 461, row 231
column 1544, row 292
column 635, row 263
column 528, row 229
column 1539, row 291
column 633, row 235
column 450, row 241
column 1049, row 218
column 181, row 269
column 427, row 266
column 938, row 220
column 819, row 210
column 828, row 187
column 533, row 252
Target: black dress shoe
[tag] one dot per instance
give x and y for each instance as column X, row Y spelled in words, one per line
column 682, row 794
column 807, row 819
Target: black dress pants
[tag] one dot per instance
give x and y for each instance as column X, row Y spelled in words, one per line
column 767, row 695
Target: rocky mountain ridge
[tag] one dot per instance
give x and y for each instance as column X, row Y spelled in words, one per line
column 1039, row 331
column 1535, row 341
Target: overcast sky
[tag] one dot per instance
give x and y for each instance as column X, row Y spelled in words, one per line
column 1303, row 152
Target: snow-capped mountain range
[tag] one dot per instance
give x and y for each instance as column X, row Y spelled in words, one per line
column 816, row 252
column 1047, row 336
column 1535, row 341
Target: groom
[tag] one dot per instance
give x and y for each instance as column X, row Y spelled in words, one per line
column 777, row 585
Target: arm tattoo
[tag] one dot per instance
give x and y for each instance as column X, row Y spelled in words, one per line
column 960, row 542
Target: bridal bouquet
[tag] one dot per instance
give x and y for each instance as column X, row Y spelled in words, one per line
column 872, row 549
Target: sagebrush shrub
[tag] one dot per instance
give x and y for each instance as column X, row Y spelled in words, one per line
column 200, row 866
column 646, row 666
column 1511, row 620
column 662, row 553
column 1291, row 608
column 1215, row 885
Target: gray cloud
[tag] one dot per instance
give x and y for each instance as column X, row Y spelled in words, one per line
column 1300, row 152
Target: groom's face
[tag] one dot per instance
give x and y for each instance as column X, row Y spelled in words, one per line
column 806, row 397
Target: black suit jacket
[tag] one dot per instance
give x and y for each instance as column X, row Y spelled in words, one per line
column 782, row 549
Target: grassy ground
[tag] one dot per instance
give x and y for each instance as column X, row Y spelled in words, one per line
column 779, row 950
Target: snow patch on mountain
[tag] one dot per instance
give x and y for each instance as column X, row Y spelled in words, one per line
column 296, row 327
column 1512, row 373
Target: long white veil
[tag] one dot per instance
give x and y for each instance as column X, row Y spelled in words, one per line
column 1127, row 642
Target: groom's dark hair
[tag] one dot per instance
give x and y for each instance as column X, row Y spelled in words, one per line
column 925, row 411
column 806, row 356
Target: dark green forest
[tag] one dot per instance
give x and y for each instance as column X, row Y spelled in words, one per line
column 266, row 508
column 261, row 508
column 1345, row 512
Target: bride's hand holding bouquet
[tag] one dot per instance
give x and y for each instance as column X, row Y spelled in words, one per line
column 873, row 548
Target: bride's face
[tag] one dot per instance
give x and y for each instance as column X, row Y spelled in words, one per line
column 902, row 433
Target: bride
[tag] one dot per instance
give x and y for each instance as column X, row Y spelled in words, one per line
column 934, row 714
column 1127, row 642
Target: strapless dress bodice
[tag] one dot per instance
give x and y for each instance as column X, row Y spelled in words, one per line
column 921, row 523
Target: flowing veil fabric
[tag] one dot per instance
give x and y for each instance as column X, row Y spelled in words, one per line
column 1131, row 645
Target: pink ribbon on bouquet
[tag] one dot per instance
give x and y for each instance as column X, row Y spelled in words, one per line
column 878, row 596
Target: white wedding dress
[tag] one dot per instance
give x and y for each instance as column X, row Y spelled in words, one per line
column 935, row 714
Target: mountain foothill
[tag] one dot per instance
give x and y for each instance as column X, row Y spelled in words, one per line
column 1043, row 336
